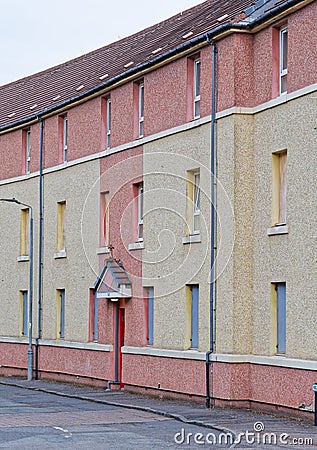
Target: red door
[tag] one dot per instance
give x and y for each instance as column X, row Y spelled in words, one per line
column 121, row 341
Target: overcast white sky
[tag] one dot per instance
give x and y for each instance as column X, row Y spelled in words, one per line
column 38, row 34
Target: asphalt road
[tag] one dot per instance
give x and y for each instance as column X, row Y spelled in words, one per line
column 38, row 420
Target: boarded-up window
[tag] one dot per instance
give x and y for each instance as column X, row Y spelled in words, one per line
column 24, row 232
column 60, row 235
column 279, row 188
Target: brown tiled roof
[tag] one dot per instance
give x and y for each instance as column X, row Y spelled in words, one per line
column 33, row 95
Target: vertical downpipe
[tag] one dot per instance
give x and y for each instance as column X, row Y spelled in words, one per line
column 212, row 285
column 40, row 268
column 116, row 355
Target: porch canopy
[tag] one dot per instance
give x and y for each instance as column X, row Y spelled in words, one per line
column 113, row 281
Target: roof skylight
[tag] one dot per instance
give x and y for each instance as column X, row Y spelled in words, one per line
column 220, row 19
column 187, row 35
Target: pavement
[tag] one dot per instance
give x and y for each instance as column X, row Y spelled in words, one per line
column 254, row 428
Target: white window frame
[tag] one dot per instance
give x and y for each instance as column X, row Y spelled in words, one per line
column 196, row 200
column 106, row 218
column 141, row 109
column 108, row 122
column 283, row 70
column 150, row 321
column 140, row 212
column 28, row 151
column 65, row 136
column 24, row 321
column 196, row 88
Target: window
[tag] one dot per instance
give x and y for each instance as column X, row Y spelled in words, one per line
column 93, row 315
column 193, row 87
column 108, row 122
column 192, row 295
column 283, row 59
column 60, row 322
column 150, row 316
column 104, row 226
column 27, row 150
column 193, row 202
column 62, row 138
column 23, row 326
column 60, row 234
column 279, row 187
column 140, row 212
column 137, row 217
column 138, row 109
column 196, row 88
column 25, row 232
column 65, row 136
column 279, row 317
column 196, row 200
column 141, row 109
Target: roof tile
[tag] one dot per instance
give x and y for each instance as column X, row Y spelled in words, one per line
column 93, row 70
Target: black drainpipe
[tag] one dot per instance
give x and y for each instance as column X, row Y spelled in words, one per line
column 213, row 244
column 40, row 268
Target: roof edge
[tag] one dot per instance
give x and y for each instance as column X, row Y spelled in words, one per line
column 206, row 38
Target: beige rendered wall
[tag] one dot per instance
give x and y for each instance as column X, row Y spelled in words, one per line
column 15, row 274
column 291, row 257
column 235, row 200
column 168, row 264
column 77, row 272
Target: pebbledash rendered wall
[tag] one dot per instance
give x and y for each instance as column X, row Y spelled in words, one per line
column 246, row 366
column 252, row 122
column 170, row 262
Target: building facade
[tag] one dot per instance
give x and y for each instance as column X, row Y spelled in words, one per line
column 171, row 180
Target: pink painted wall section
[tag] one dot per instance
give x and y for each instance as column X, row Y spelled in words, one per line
column 264, row 384
column 120, row 173
column 205, row 81
column 78, row 362
column 50, row 142
column 165, row 97
column 168, row 93
column 177, row 375
column 243, row 70
column 122, row 115
column 13, row 355
column 225, row 73
column 231, row 381
column 11, row 155
column 84, row 129
column 248, row 65
column 12, row 149
column 59, row 360
column 302, row 32
column 263, row 66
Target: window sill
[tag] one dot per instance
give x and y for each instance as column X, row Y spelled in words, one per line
column 23, row 258
column 61, row 254
column 192, row 239
column 278, row 229
column 103, row 250
column 136, row 246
